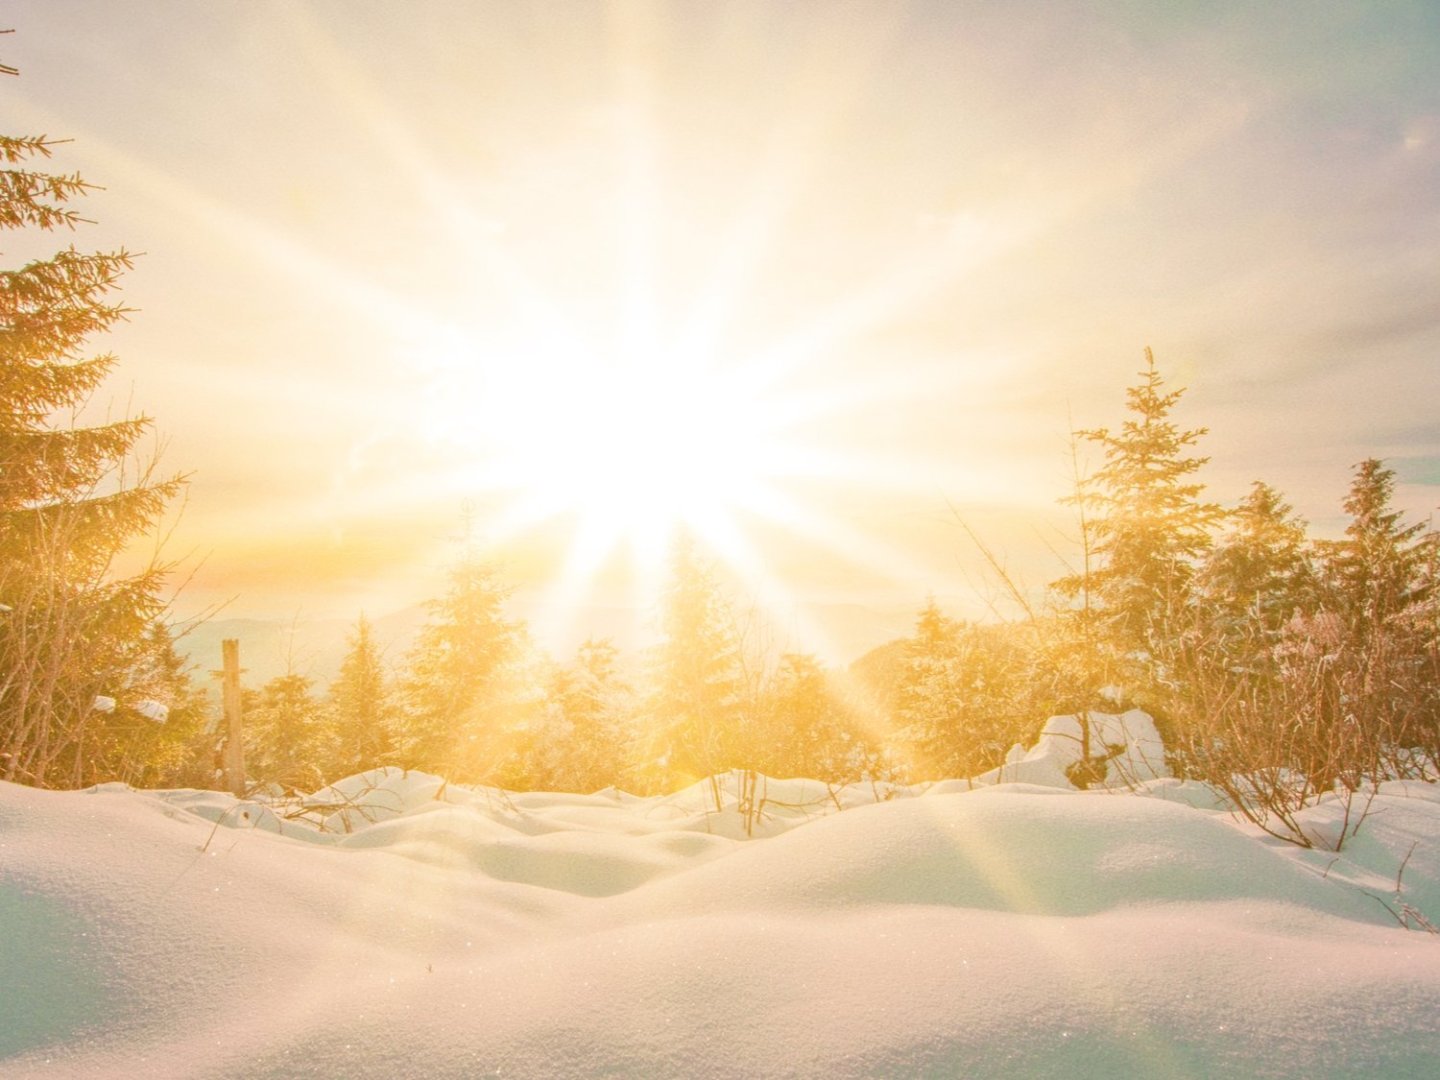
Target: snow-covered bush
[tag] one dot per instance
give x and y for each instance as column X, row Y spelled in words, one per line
column 1090, row 750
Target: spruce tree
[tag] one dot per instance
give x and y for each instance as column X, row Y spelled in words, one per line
column 1357, row 671
column 360, row 707
column 458, row 692
column 1380, row 581
column 591, row 708
column 1241, row 696
column 1338, row 685
column 287, row 739
column 930, row 705
column 964, row 697
column 807, row 727
column 1378, row 570
column 695, row 704
column 153, row 736
column 1259, row 574
column 1151, row 529
column 72, row 498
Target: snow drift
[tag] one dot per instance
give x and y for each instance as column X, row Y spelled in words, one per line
column 394, row 926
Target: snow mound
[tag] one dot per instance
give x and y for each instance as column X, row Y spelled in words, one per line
column 1010, row 930
column 368, row 797
column 1125, row 750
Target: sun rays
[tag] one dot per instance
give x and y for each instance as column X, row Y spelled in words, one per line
column 634, row 395
column 627, row 323
column 654, row 423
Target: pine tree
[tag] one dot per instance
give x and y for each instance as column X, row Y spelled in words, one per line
column 1378, row 570
column 807, row 728
column 1151, row 528
column 965, row 695
column 1342, row 677
column 591, row 708
column 161, row 716
column 459, row 692
column 695, row 704
column 71, row 498
column 286, row 735
column 1380, row 582
column 1259, row 573
column 795, row 711
column 361, row 708
column 1233, row 677
column 929, row 709
column 1240, row 696
column 601, row 710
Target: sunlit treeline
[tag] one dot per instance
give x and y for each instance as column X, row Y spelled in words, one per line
column 476, row 701
column 1264, row 654
column 1260, row 651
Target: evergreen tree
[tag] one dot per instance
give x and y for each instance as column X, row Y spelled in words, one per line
column 1259, row 573
column 591, row 711
column 71, row 498
column 361, row 708
column 1350, row 681
column 1151, row 529
column 1235, row 663
column 695, row 704
column 965, row 696
column 286, row 734
column 600, row 708
column 598, row 662
column 1378, row 570
column 1240, row 695
column 929, row 709
column 152, row 735
column 791, row 728
column 164, row 738
column 1380, row 582
column 807, row 727
column 460, row 693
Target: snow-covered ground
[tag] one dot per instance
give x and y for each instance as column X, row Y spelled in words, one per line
column 395, row 926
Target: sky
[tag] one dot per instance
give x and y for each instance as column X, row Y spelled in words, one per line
column 814, row 282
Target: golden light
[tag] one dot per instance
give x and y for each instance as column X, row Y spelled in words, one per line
column 637, row 318
column 628, row 449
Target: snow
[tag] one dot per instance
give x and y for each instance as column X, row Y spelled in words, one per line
column 155, row 711
column 396, row 926
column 1136, row 752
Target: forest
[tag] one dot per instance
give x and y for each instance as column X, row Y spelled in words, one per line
column 1277, row 666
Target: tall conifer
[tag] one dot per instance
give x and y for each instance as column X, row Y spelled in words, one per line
column 72, row 498
column 1259, row 574
column 457, row 688
column 695, row 703
column 1378, row 570
column 360, row 706
column 1151, row 529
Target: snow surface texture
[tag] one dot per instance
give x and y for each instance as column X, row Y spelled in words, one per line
column 394, row 926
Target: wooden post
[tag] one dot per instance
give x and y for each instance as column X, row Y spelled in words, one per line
column 234, row 740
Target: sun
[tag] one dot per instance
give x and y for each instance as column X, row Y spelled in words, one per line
column 632, row 325
column 630, row 447
column 641, row 448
